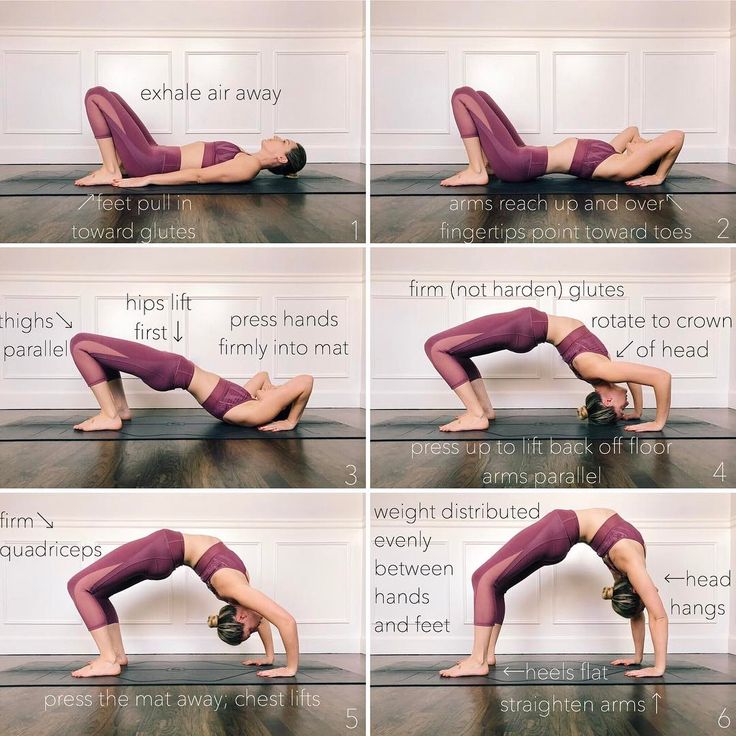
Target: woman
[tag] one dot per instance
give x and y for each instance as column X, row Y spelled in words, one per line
column 547, row 542
column 122, row 138
column 155, row 557
column 256, row 404
column 522, row 330
column 493, row 146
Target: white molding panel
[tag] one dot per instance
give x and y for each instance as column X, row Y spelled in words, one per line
column 558, row 608
column 320, row 582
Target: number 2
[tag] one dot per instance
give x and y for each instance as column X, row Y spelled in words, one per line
column 721, row 236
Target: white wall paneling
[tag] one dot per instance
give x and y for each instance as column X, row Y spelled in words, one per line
column 559, row 608
column 403, row 377
column 556, row 68
column 221, row 283
column 305, row 551
column 732, row 87
column 48, row 61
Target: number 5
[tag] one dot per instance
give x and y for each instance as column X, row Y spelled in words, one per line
column 351, row 719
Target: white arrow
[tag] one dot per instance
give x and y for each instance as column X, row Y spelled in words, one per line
column 671, row 199
column 655, row 698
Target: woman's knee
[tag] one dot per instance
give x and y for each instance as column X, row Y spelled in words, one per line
column 463, row 91
column 79, row 337
column 98, row 90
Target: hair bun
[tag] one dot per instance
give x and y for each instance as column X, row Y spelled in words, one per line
column 583, row 412
column 212, row 621
column 607, row 593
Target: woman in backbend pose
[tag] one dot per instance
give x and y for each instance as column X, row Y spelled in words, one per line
column 256, row 404
column 547, row 542
column 123, row 139
column 494, row 147
column 522, row 330
column 155, row 557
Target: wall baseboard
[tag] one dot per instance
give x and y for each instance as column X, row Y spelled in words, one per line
column 454, row 154
column 83, row 155
column 443, row 399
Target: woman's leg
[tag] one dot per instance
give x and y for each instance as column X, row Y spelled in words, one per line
column 106, row 664
column 121, row 136
column 100, row 359
column 476, row 663
column 479, row 387
column 501, row 115
column 484, row 131
column 491, row 651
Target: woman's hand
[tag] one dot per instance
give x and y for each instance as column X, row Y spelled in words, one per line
column 646, row 672
column 258, row 661
column 629, row 415
column 133, row 181
column 645, row 427
column 281, row 426
column 626, row 661
column 645, row 181
column 278, row 672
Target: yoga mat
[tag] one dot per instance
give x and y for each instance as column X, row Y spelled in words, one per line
column 421, row 426
column 426, row 674
column 410, row 183
column 171, row 425
column 167, row 672
column 57, row 184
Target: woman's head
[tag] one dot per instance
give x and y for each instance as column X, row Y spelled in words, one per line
column 605, row 405
column 287, row 156
column 624, row 599
column 234, row 624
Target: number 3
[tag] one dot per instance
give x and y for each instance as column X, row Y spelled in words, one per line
column 352, row 475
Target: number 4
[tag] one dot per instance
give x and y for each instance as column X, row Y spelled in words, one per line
column 720, row 473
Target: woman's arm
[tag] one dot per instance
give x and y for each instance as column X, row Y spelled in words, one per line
column 625, row 136
column 658, row 624
column 665, row 149
column 240, row 168
column 264, row 631
column 638, row 633
column 304, row 385
column 638, row 399
column 261, row 381
column 249, row 597
column 644, row 375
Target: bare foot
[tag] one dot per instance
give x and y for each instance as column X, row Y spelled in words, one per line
column 466, row 668
column 490, row 414
column 98, row 668
column 121, row 659
column 491, row 660
column 125, row 413
column 465, row 178
column 99, row 423
column 466, row 423
column 98, row 178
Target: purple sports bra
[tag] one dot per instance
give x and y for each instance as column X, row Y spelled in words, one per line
column 589, row 154
column 224, row 397
column 580, row 340
column 218, row 557
column 613, row 530
column 217, row 152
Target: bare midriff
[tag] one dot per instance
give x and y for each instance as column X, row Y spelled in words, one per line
column 558, row 328
column 560, row 156
column 192, row 155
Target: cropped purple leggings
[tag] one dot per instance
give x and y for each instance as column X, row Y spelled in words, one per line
column 153, row 557
column 450, row 351
column 111, row 117
column 545, row 542
column 478, row 116
column 100, row 358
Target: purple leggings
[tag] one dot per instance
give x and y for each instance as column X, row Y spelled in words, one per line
column 545, row 542
column 100, row 358
column 450, row 351
column 111, row 117
column 478, row 116
column 154, row 557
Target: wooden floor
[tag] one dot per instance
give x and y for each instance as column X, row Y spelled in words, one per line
column 690, row 464
column 419, row 219
column 268, row 463
column 215, row 218
column 681, row 710
column 25, row 712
